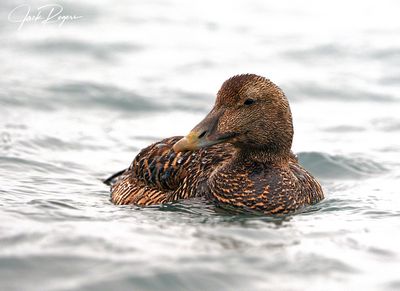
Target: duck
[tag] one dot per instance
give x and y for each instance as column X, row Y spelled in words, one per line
column 239, row 156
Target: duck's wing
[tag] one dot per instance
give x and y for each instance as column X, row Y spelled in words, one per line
column 160, row 167
column 158, row 174
column 153, row 173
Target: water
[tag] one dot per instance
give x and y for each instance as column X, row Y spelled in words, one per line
column 79, row 100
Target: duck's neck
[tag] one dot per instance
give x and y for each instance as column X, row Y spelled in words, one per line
column 263, row 156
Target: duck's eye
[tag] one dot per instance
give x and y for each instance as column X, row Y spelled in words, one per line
column 249, row 102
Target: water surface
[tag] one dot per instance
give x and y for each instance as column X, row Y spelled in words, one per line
column 78, row 101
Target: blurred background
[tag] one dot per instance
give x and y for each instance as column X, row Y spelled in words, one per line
column 84, row 85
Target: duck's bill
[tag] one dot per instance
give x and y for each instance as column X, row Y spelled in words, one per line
column 194, row 141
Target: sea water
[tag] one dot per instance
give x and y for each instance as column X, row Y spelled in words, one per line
column 79, row 99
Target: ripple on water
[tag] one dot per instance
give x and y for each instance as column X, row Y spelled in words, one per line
column 339, row 167
column 386, row 124
column 20, row 164
column 345, row 128
column 305, row 91
column 98, row 95
column 102, row 51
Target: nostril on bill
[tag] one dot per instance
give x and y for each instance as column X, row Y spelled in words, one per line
column 202, row 134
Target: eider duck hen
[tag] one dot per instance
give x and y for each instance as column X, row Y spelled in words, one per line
column 239, row 155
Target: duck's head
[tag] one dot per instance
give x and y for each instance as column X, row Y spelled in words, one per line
column 251, row 113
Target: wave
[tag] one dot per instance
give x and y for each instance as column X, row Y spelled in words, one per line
column 100, row 51
column 309, row 90
column 338, row 166
column 89, row 95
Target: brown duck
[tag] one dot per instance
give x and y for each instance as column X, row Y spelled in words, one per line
column 239, row 155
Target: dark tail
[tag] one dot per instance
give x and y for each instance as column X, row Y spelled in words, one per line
column 111, row 179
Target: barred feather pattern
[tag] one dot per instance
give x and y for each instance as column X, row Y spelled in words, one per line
column 265, row 188
column 158, row 174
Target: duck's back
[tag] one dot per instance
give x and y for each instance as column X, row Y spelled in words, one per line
column 158, row 174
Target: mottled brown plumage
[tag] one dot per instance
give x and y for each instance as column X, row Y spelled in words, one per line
column 239, row 155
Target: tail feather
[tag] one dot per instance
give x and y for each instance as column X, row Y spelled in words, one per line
column 110, row 180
